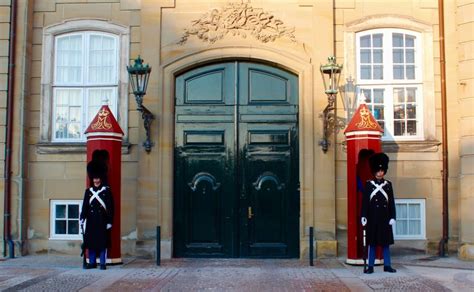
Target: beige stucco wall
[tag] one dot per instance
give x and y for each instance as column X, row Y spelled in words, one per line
column 156, row 27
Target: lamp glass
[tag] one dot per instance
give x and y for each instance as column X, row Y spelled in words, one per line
column 331, row 72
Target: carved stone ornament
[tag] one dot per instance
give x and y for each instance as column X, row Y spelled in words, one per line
column 238, row 19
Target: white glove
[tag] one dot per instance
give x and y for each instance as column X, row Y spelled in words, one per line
column 109, row 226
column 391, row 222
column 81, row 221
column 363, row 220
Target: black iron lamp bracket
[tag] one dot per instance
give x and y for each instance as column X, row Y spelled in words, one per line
column 147, row 117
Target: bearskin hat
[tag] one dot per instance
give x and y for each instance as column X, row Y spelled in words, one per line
column 379, row 161
column 96, row 169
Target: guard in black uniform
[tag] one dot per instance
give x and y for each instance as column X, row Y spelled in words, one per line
column 378, row 212
column 97, row 214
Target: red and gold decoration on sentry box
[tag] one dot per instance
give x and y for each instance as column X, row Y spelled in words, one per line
column 363, row 138
column 104, row 134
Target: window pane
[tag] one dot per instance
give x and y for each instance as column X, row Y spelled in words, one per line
column 398, row 95
column 68, row 103
column 365, row 56
column 411, row 111
column 365, row 72
column 397, row 55
column 414, row 211
column 69, row 59
column 401, row 211
column 399, row 111
column 401, row 227
column 74, row 131
column 397, row 40
column 378, row 72
column 398, row 72
column 365, row 41
column 410, row 41
column 410, row 56
column 378, row 112
column 377, row 40
column 60, row 211
column 378, row 95
column 399, row 128
column 73, row 227
column 410, row 72
column 60, row 226
column 414, row 227
column 368, row 95
column 378, row 56
column 102, row 56
column 73, row 211
column 75, row 114
column 411, row 128
column 411, row 94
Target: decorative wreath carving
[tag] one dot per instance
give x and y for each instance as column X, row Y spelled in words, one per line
column 238, row 19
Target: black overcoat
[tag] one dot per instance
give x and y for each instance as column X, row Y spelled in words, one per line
column 378, row 210
column 96, row 217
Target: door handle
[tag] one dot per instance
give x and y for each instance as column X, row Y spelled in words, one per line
column 250, row 214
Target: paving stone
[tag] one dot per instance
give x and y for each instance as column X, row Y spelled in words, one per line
column 65, row 273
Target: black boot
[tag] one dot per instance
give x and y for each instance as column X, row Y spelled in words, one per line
column 103, row 267
column 91, row 266
column 369, row 270
column 389, row 269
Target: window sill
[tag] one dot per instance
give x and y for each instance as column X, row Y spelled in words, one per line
column 74, row 238
column 410, row 146
column 70, row 148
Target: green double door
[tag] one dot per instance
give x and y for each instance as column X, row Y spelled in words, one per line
column 236, row 162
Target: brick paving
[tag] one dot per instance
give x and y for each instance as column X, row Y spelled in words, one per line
column 64, row 273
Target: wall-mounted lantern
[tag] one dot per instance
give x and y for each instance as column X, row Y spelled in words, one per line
column 139, row 75
column 331, row 72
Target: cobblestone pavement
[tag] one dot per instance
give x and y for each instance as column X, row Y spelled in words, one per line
column 64, row 273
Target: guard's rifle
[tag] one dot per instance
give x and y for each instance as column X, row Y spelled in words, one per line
column 364, row 244
column 83, row 247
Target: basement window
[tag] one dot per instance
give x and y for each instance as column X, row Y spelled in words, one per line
column 64, row 222
column 410, row 223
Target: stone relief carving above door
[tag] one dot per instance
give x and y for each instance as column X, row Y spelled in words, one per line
column 238, row 19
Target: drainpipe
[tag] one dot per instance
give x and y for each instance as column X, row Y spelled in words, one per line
column 7, row 236
column 443, row 244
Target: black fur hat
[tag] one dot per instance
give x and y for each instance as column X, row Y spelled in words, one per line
column 379, row 161
column 96, row 169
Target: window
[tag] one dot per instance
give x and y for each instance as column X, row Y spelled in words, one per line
column 410, row 223
column 84, row 62
column 85, row 75
column 65, row 219
column 389, row 75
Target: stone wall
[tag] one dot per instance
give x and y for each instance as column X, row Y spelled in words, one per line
column 4, row 43
column 465, row 26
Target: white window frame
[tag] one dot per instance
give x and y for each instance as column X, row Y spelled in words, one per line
column 389, row 83
column 427, row 82
column 422, row 204
column 50, row 35
column 84, row 84
column 53, row 235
